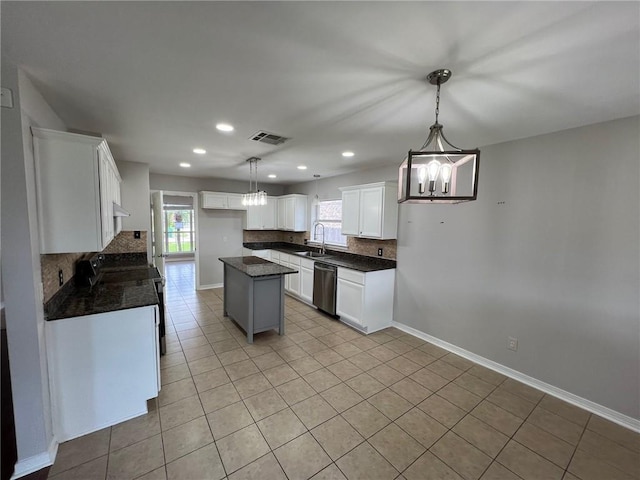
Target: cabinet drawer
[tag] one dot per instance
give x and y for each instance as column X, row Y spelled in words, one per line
column 351, row 275
column 306, row 263
column 275, row 255
column 284, row 257
column 294, row 260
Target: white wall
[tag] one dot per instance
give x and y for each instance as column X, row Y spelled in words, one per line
column 220, row 235
column 329, row 188
column 21, row 270
column 179, row 183
column 547, row 254
column 556, row 265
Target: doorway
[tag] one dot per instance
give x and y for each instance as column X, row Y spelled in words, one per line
column 174, row 222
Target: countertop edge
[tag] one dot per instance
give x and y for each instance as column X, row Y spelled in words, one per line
column 331, row 259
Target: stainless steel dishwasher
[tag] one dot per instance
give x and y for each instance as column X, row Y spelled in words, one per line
column 325, row 280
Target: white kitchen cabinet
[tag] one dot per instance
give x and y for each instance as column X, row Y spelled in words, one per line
column 294, row 278
column 284, row 261
column 102, row 369
column 77, row 182
column 365, row 300
column 306, row 280
column 370, row 211
column 292, row 213
column 263, row 217
column 221, row 201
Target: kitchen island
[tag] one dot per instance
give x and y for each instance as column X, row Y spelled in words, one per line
column 254, row 294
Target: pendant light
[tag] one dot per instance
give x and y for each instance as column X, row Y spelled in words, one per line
column 315, row 204
column 254, row 197
column 439, row 172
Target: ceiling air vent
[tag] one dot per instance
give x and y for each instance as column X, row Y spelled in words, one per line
column 270, row 138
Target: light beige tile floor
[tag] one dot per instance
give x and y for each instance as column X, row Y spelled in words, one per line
column 326, row 402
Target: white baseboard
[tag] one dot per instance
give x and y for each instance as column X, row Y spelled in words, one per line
column 36, row 462
column 210, row 286
column 605, row 412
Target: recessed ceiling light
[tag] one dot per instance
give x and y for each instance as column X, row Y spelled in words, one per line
column 224, row 127
column 199, row 151
column 348, row 154
column 185, row 165
column 302, row 167
column 272, row 175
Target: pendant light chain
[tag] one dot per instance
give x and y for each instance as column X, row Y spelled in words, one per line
column 438, row 101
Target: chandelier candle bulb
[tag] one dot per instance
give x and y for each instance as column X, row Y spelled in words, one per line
column 422, row 178
column 445, row 174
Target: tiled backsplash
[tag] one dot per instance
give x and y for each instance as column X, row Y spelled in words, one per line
column 51, row 264
column 360, row 246
column 369, row 247
column 126, row 243
column 258, row 236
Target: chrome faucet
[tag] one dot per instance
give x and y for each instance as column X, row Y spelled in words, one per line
column 315, row 227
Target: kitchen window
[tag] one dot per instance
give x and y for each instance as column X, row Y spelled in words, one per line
column 329, row 213
column 179, row 232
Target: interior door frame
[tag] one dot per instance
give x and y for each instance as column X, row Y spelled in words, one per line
column 194, row 197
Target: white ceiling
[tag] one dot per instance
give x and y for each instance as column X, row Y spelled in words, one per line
column 155, row 77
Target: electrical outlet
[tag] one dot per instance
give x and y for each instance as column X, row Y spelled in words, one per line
column 512, row 343
column 60, row 278
column 380, row 252
column 136, row 234
column 6, row 96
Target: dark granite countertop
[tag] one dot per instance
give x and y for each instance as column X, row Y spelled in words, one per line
column 124, row 283
column 361, row 263
column 256, row 267
column 105, row 297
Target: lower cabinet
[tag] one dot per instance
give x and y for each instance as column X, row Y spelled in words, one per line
column 365, row 300
column 306, row 280
column 294, row 278
column 102, row 369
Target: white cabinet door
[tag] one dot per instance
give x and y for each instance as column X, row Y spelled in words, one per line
column 76, row 183
column 105, row 176
column 292, row 213
column 282, row 213
column 350, row 301
column 102, row 369
column 294, row 278
column 371, row 211
column 351, row 212
column 262, row 217
column 214, row 200
column 306, row 284
column 234, row 201
column 270, row 214
column 254, row 217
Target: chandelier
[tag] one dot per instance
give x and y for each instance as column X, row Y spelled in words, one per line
column 439, row 172
column 254, row 196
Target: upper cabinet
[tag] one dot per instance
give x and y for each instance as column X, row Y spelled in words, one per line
column 292, row 213
column 263, row 217
column 221, row 201
column 370, row 210
column 77, row 183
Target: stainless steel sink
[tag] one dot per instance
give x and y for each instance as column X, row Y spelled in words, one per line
column 312, row 254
